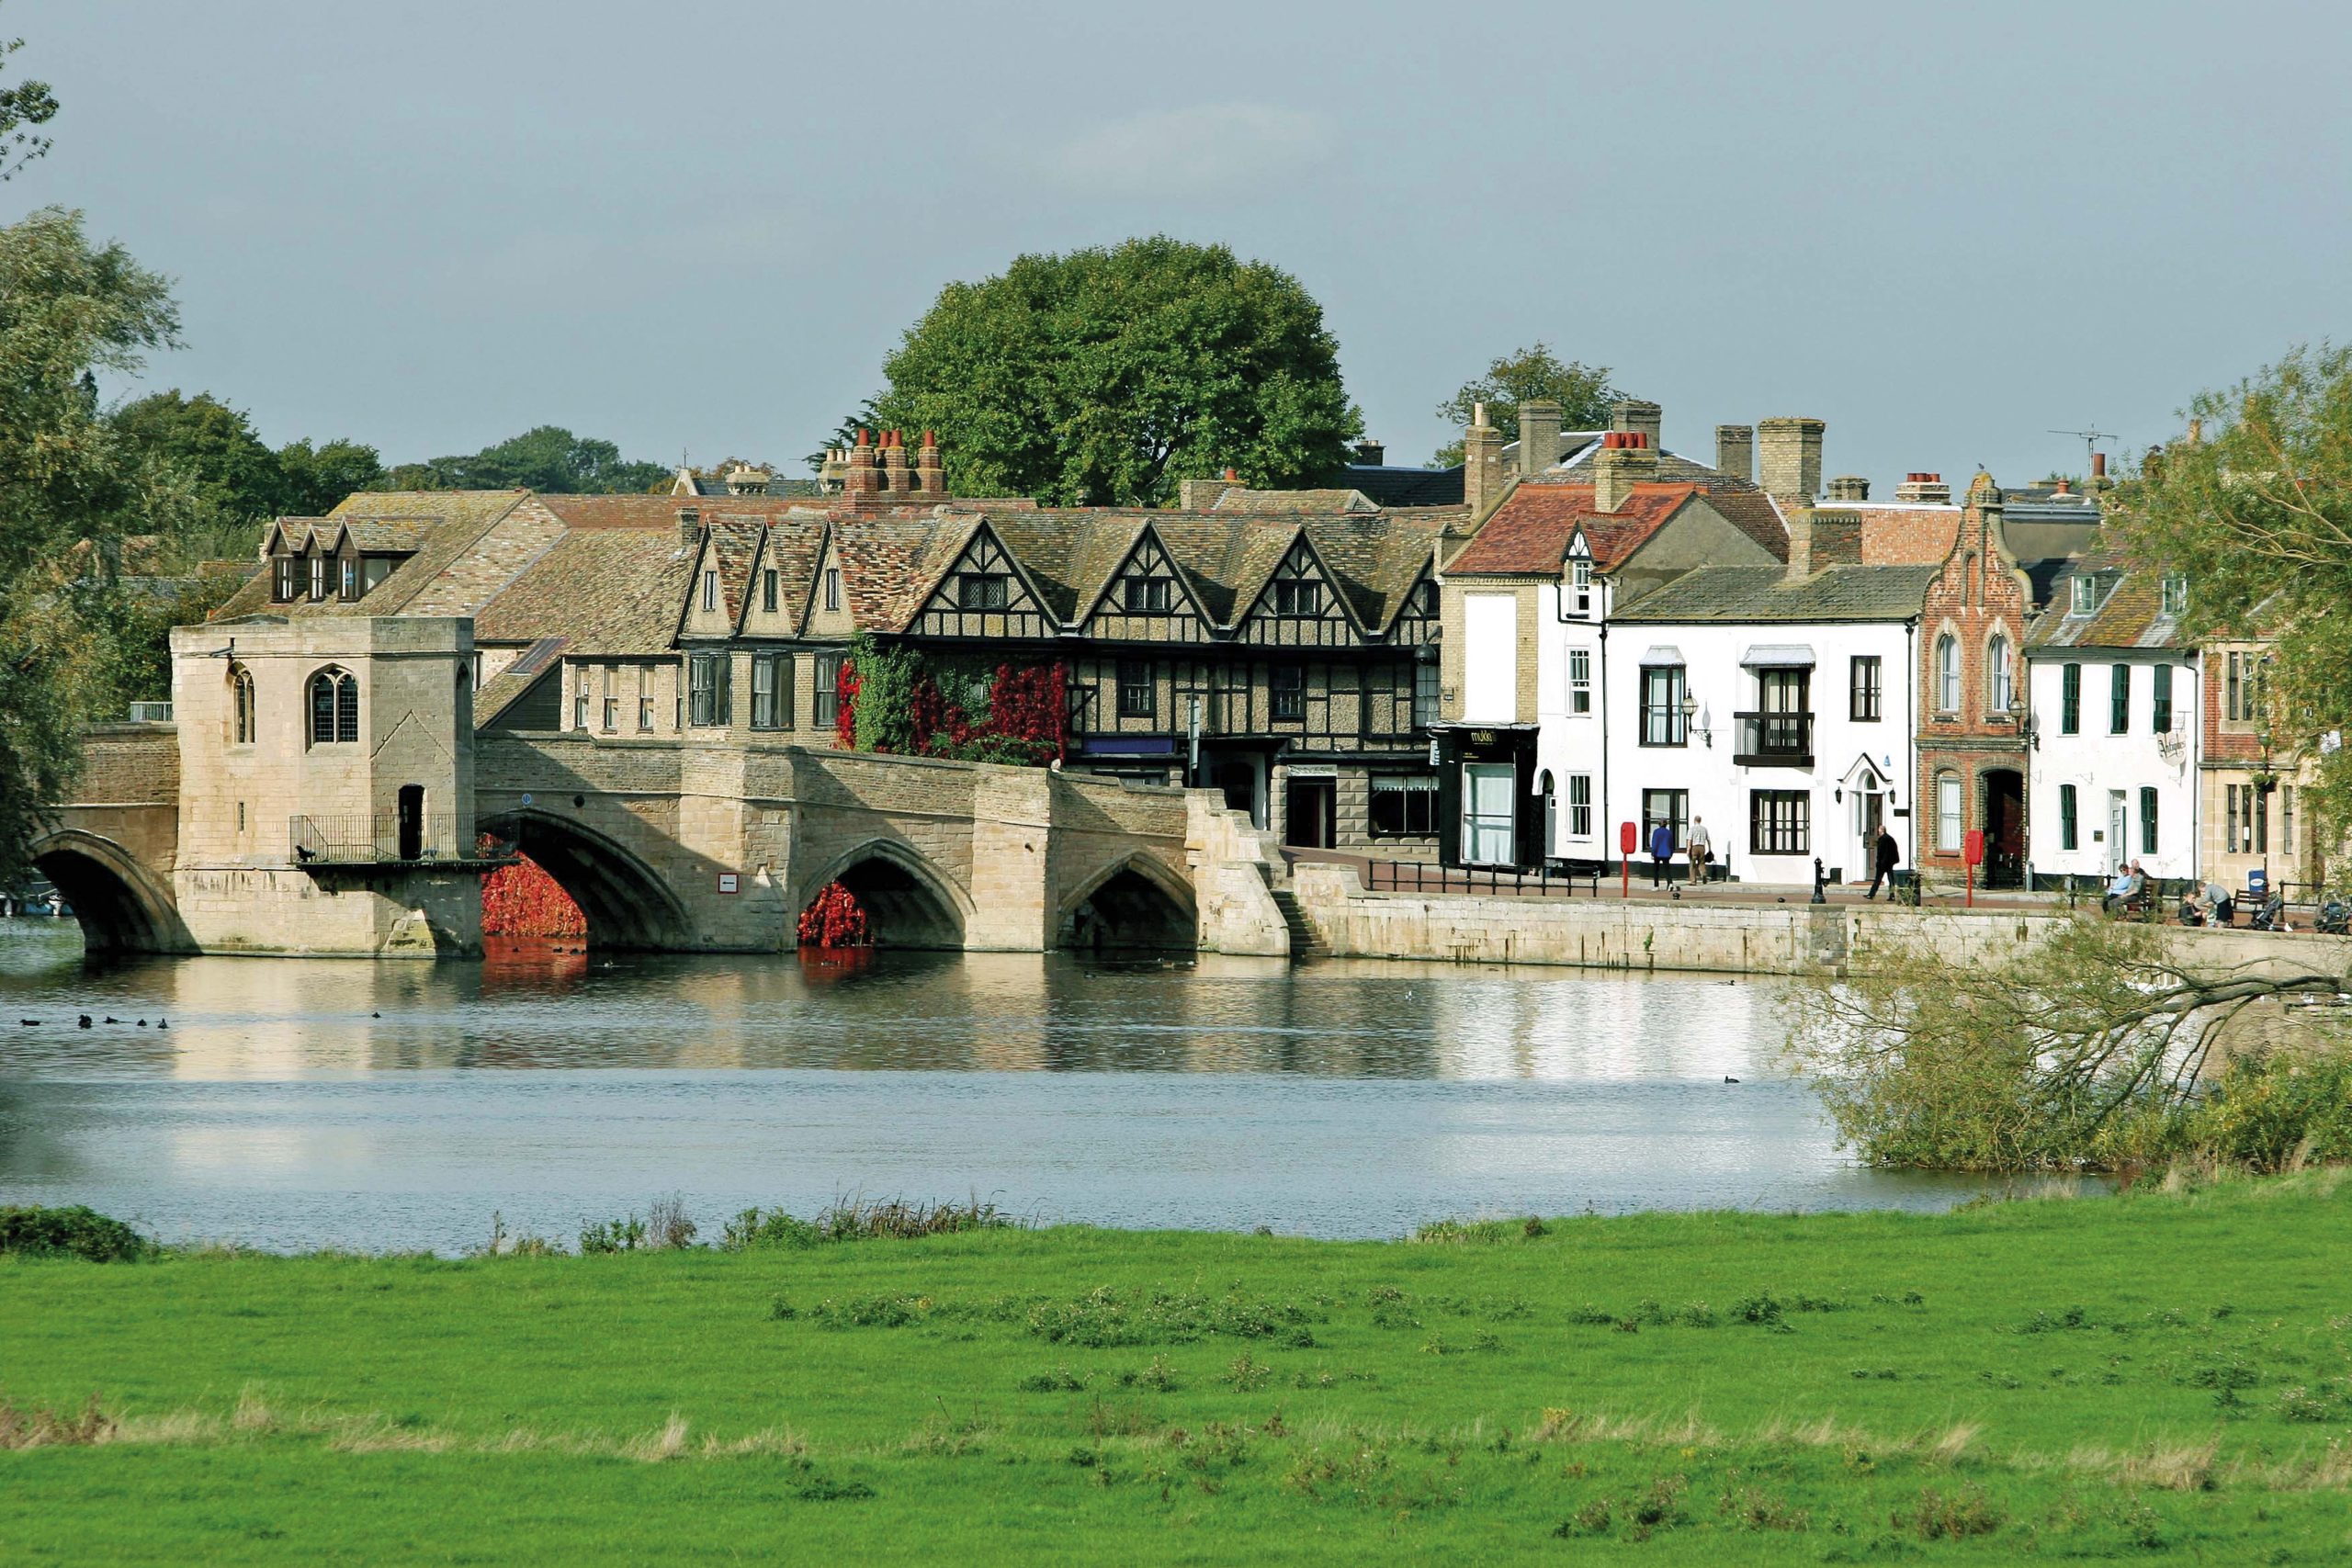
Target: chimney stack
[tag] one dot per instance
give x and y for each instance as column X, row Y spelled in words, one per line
column 1821, row 537
column 1924, row 487
column 1371, row 454
column 1736, row 451
column 930, row 477
column 1849, row 487
column 1481, row 464
column 894, row 461
column 859, row 480
column 1789, row 458
column 1625, row 459
column 689, row 527
column 1639, row 417
column 1539, row 436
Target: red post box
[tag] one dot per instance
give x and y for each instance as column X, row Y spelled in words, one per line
column 1971, row 850
column 1628, row 842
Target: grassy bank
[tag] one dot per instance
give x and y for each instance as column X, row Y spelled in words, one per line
column 2158, row 1376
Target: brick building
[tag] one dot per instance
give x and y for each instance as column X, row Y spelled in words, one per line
column 1971, row 728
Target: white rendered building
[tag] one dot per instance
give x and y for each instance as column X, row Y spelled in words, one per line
column 2116, row 726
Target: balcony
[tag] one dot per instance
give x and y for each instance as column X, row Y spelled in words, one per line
column 387, row 837
column 1774, row 740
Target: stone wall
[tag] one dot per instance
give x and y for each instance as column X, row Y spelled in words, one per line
column 1795, row 939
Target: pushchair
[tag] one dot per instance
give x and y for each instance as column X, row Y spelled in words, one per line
column 2333, row 918
column 2267, row 918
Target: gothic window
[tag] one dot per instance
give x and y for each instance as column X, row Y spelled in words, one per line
column 241, row 704
column 1946, row 673
column 334, row 707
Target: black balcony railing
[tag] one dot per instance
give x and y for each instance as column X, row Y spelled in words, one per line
column 387, row 837
column 1774, row 740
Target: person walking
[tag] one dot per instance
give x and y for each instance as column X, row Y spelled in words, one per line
column 1661, row 851
column 1885, row 854
column 1703, row 848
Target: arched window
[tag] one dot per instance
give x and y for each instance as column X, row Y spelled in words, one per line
column 335, row 707
column 1946, row 673
column 240, row 705
column 1999, row 688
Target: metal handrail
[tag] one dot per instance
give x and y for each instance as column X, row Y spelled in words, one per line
column 378, row 839
column 1427, row 876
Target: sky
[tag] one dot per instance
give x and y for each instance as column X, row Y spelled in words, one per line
column 1948, row 231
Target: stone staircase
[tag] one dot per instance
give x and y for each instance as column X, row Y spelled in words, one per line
column 1305, row 942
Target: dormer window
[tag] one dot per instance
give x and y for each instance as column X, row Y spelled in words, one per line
column 983, row 591
column 832, row 588
column 2176, row 593
column 350, row 566
column 288, row 579
column 318, row 577
column 2085, row 595
column 1151, row 595
column 710, row 590
column 1298, row 597
column 1580, row 583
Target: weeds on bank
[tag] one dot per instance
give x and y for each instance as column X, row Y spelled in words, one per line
column 859, row 1219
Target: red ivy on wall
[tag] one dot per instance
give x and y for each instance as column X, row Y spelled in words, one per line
column 846, row 708
column 522, row 899
column 1028, row 718
column 834, row 918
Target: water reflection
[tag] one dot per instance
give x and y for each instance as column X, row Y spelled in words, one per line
column 296, row 1103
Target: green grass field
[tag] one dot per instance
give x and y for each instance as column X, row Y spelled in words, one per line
column 2160, row 1377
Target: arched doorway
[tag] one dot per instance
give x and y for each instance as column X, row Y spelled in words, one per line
column 1138, row 904
column 121, row 907
column 906, row 903
column 626, row 902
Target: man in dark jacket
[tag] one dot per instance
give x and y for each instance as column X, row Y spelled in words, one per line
column 1661, row 851
column 1884, row 855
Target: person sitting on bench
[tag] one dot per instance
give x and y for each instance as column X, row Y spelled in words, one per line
column 2125, row 890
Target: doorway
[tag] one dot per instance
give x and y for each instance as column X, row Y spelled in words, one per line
column 1490, row 823
column 1310, row 815
column 2119, row 826
column 1236, row 779
column 2004, row 827
column 412, row 821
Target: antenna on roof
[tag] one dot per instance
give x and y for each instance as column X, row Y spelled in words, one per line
column 2090, row 439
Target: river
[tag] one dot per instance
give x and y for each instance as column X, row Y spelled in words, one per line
column 295, row 1103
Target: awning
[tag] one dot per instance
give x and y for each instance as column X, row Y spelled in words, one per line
column 1662, row 653
column 1777, row 656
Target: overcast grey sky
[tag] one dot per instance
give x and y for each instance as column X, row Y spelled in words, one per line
column 1946, row 231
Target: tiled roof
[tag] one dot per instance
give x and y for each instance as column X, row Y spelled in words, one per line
column 1740, row 593
column 659, row 511
column 1530, row 533
column 503, row 689
column 1744, row 505
column 1235, row 498
column 607, row 590
column 1408, row 487
column 2127, row 610
column 791, row 545
column 447, row 526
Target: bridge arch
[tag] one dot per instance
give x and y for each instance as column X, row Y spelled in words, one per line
column 908, row 902
column 626, row 902
column 122, row 906
column 1135, row 902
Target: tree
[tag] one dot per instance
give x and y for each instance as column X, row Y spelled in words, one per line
column 1104, row 376
column 68, row 476
column 548, row 459
column 1582, row 391
column 234, row 477
column 314, row 481
column 22, row 107
column 2093, row 1048
column 2257, row 516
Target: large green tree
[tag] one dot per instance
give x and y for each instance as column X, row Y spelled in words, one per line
column 2257, row 514
column 313, row 479
column 72, row 484
column 1104, row 376
column 548, row 459
column 1524, row 374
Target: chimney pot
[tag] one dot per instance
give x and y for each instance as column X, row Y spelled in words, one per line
column 1624, row 461
column 864, row 436
column 1638, row 416
column 2098, row 464
column 1233, row 476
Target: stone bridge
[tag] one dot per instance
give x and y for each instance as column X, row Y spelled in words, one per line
column 688, row 846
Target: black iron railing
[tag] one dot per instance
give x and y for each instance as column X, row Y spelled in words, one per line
column 1774, row 740
column 1558, row 880
column 386, row 837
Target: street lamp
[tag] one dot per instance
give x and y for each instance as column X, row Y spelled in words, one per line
column 1690, row 706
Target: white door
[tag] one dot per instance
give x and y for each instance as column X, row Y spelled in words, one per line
column 1487, row 821
column 2116, row 829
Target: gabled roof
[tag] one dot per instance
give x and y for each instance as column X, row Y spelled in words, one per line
column 502, row 690
column 1743, row 593
column 890, row 566
column 1530, row 533
column 1744, row 505
column 447, row 575
column 790, row 546
column 1407, row 487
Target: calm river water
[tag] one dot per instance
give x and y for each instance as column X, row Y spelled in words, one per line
column 311, row 1102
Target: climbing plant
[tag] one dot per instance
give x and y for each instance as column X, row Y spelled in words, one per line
column 890, row 700
column 834, row 919
column 522, row 899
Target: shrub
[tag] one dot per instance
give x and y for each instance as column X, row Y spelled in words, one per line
column 612, row 1236
column 75, row 1231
